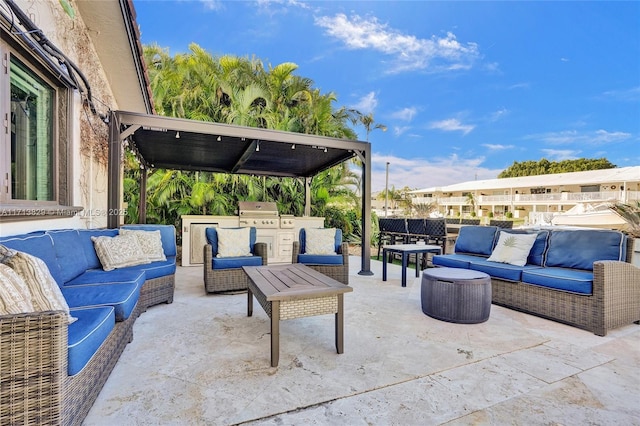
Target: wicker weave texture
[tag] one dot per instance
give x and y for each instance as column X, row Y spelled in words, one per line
column 219, row 280
column 156, row 291
column 33, row 360
column 615, row 300
column 308, row 307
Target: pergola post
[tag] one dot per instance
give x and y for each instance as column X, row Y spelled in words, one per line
column 113, row 170
column 307, row 196
column 142, row 201
column 365, row 157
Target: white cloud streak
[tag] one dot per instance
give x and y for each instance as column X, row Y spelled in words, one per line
column 419, row 173
column 497, row 147
column 405, row 114
column 367, row 103
column 561, row 154
column 451, row 125
column 408, row 52
column 566, row 137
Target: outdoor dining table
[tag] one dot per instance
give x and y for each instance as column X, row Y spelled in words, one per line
column 405, row 250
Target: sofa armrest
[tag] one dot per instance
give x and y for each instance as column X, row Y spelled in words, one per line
column 260, row 249
column 616, row 288
column 344, row 251
column 295, row 251
column 33, row 366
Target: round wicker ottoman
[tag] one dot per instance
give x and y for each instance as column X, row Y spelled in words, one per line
column 456, row 295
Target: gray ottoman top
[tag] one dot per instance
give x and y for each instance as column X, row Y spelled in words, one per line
column 454, row 274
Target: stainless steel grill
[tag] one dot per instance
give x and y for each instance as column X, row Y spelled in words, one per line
column 261, row 214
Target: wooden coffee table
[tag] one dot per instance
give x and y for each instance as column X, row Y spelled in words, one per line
column 294, row 291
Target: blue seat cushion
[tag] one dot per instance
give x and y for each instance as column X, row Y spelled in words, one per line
column 87, row 245
column 122, row 296
column 455, row 260
column 167, row 235
column 580, row 248
column 117, row 276
column 500, row 270
column 70, row 253
column 87, row 334
column 478, row 239
column 155, row 269
column 574, row 280
column 235, row 262
column 39, row 245
column 320, row 259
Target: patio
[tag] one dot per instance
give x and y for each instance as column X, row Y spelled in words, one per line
column 201, row 360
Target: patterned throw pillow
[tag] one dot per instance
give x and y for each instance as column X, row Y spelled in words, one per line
column 119, row 251
column 320, row 241
column 150, row 242
column 14, row 293
column 513, row 248
column 44, row 291
column 234, row 242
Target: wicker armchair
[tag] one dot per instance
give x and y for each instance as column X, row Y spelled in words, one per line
column 337, row 271
column 230, row 277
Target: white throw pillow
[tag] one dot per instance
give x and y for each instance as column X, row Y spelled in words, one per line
column 320, row 241
column 513, row 248
column 150, row 243
column 14, row 293
column 119, row 251
column 44, row 291
column 234, row 242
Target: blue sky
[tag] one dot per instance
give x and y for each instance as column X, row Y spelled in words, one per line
column 465, row 88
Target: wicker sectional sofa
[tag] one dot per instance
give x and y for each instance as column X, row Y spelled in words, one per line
column 51, row 372
column 580, row 277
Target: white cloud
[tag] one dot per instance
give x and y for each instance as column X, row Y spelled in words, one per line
column 367, row 103
column 399, row 130
column 405, row 114
column 561, row 154
column 632, row 94
column 497, row 115
column 408, row 52
column 519, row 86
column 597, row 137
column 418, row 173
column 497, row 147
column 451, row 125
column 212, row 4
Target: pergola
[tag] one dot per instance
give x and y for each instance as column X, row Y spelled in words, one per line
column 181, row 144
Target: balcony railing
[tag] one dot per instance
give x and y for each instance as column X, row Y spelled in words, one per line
column 555, row 198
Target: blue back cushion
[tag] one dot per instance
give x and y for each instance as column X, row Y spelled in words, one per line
column 69, row 252
column 167, row 235
column 212, row 238
column 93, row 261
column 39, row 245
column 476, row 239
column 302, row 239
column 580, row 248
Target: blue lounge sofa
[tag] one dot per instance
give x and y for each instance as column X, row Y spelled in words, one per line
column 60, row 368
column 581, row 277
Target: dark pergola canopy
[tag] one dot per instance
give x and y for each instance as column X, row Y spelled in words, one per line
column 181, row 144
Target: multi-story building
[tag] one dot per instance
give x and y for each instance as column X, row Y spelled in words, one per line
column 527, row 196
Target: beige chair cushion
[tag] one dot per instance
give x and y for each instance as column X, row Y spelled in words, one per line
column 119, row 251
column 44, row 291
column 14, row 293
column 320, row 240
column 234, row 242
column 150, row 243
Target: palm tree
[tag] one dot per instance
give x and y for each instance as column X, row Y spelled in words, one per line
column 368, row 122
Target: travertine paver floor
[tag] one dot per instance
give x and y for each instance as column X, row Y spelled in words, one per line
column 202, row 361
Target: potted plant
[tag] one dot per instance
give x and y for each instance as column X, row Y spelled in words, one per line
column 631, row 214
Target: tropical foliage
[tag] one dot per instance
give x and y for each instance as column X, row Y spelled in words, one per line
column 545, row 167
column 242, row 91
